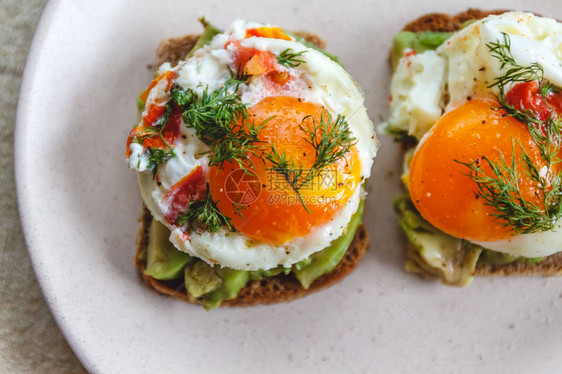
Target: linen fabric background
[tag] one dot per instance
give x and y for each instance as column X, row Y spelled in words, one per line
column 30, row 341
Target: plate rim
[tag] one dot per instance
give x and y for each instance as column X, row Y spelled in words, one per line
column 20, row 124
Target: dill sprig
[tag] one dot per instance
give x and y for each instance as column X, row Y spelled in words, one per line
column 204, row 215
column 291, row 171
column 290, row 59
column 331, row 141
column 240, row 142
column 546, row 134
column 211, row 114
column 238, row 208
column 501, row 50
column 239, row 75
column 220, row 120
column 157, row 156
column 501, row 189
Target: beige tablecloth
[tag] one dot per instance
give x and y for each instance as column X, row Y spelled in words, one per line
column 30, row 341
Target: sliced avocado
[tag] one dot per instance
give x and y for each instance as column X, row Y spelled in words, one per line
column 163, row 260
column 231, row 283
column 225, row 283
column 259, row 274
column 419, row 42
column 201, row 278
column 327, row 259
column 302, row 263
column 498, row 258
column 207, row 35
column 402, row 41
column 451, row 259
column 430, row 40
column 434, row 252
column 530, row 260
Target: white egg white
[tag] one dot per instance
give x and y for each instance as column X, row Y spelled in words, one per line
column 429, row 84
column 321, row 81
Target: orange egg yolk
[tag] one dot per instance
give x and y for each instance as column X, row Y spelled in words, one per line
column 439, row 187
column 270, row 208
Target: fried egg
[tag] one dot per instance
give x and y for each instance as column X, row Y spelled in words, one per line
column 272, row 226
column 448, row 100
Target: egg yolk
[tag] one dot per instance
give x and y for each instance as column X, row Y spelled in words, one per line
column 268, row 208
column 439, row 186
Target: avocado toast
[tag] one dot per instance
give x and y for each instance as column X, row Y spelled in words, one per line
column 177, row 274
column 431, row 252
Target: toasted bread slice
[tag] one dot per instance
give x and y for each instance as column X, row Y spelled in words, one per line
column 552, row 265
column 268, row 290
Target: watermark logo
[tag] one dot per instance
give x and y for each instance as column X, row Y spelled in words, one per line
column 326, row 179
column 242, row 188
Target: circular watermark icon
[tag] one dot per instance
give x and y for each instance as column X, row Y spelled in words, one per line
column 242, row 187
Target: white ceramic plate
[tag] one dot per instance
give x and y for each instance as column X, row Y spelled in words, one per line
column 80, row 207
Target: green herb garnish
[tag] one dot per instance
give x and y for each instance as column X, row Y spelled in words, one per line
column 157, row 156
column 331, row 141
column 211, row 114
column 501, row 189
column 501, row 50
column 290, row 58
column 220, row 121
column 204, row 215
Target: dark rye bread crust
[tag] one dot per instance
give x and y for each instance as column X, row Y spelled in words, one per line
column 550, row 266
column 268, row 290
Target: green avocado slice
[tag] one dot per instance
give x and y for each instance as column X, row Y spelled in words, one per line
column 435, row 253
column 419, row 42
column 200, row 278
column 231, row 283
column 214, row 284
column 207, row 35
column 327, row 259
column 163, row 260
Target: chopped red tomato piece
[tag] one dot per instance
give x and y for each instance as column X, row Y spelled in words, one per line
column 154, row 112
column 170, row 132
column 259, row 63
column 189, row 188
column 168, row 75
column 252, row 61
column 526, row 96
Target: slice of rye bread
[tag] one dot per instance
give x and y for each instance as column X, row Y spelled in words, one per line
column 552, row 265
column 268, row 290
